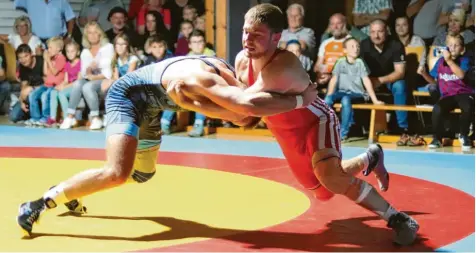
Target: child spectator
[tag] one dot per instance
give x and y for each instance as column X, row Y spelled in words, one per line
column 197, row 44
column 32, row 84
column 158, row 50
column 54, row 63
column 199, row 23
column 349, row 76
column 450, row 71
column 186, row 28
column 294, row 47
column 62, row 91
column 189, row 13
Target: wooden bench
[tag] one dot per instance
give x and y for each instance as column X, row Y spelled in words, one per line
column 378, row 119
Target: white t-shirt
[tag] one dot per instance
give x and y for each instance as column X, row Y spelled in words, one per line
column 103, row 59
column 15, row 41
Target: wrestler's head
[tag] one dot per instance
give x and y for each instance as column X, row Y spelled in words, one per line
column 262, row 30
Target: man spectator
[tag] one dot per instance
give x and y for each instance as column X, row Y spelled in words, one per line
column 118, row 18
column 428, row 13
column 332, row 48
column 49, row 18
column 339, row 22
column 296, row 31
column 98, row 10
column 385, row 58
column 366, row 11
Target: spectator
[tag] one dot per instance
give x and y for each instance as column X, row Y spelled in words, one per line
column 186, row 29
column 331, row 49
column 294, row 47
column 54, row 63
column 349, row 77
column 153, row 5
column 366, row 11
column 5, row 86
column 296, row 30
column 155, row 26
column 176, row 11
column 98, row 10
column 455, row 92
column 31, row 78
column 96, row 59
column 386, row 60
column 49, row 18
column 63, row 90
column 118, row 18
column 338, row 22
column 408, row 39
column 22, row 35
column 124, row 61
column 158, row 50
column 189, row 13
column 426, row 23
column 199, row 23
column 456, row 26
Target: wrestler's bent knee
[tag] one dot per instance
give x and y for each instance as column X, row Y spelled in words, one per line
column 328, row 169
column 116, row 176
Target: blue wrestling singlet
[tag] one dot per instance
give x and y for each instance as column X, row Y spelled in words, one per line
column 134, row 102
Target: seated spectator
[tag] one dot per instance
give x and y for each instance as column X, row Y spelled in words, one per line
column 426, row 17
column 199, row 23
column 189, row 13
column 456, row 26
column 367, row 11
column 186, row 28
column 62, row 91
column 96, row 59
column 5, row 86
column 296, row 30
column 294, row 47
column 124, row 61
column 349, row 77
column 118, row 18
column 455, row 92
column 54, row 64
column 98, row 10
column 155, row 27
column 32, row 86
column 152, row 5
column 23, row 35
column 386, row 60
column 331, row 49
column 176, row 11
column 339, row 22
column 158, row 50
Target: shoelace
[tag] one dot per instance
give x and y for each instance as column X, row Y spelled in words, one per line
column 33, row 214
column 397, row 221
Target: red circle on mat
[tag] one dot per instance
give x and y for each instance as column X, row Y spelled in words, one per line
column 445, row 214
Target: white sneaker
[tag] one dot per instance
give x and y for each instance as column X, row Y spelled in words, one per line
column 68, row 123
column 96, row 124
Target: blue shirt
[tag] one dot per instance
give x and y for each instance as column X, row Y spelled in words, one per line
column 47, row 19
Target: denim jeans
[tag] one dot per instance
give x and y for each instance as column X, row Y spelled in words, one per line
column 34, row 99
column 399, row 92
column 61, row 96
column 45, row 103
column 346, row 113
column 167, row 117
column 17, row 114
column 5, row 90
column 199, row 118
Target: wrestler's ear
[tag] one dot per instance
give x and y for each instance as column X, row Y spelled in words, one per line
column 276, row 37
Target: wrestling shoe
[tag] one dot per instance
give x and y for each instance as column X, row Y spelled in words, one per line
column 76, row 206
column 29, row 213
column 376, row 164
column 405, row 228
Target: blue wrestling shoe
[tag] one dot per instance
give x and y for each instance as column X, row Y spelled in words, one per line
column 405, row 228
column 29, row 213
column 376, row 164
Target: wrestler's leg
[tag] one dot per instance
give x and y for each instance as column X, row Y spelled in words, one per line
column 328, row 170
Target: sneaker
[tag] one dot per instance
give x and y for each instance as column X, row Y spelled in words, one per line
column 76, row 206
column 405, row 228
column 96, row 124
column 29, row 213
column 377, row 165
column 435, row 144
column 30, row 122
column 466, row 143
column 68, row 123
column 197, row 131
column 165, row 128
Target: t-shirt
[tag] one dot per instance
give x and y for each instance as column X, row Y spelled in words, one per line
column 425, row 24
column 164, row 12
column 349, row 75
column 73, row 71
column 151, row 59
column 331, row 50
column 382, row 63
column 122, row 67
column 448, row 82
column 34, row 76
column 34, row 42
column 59, row 61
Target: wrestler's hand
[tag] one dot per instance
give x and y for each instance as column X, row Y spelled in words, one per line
column 310, row 94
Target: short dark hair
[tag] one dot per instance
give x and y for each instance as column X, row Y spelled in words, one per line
column 267, row 14
column 349, row 39
column 196, row 33
column 23, row 48
column 115, row 10
column 157, row 39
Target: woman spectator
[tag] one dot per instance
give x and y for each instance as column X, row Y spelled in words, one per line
column 404, row 33
column 22, row 35
column 155, row 27
column 152, row 5
column 96, row 59
column 456, row 26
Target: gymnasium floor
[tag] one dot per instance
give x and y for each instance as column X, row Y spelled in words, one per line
column 226, row 194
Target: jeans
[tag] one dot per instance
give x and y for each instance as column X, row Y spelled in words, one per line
column 199, row 118
column 17, row 114
column 34, row 100
column 62, row 96
column 346, row 113
column 167, row 117
column 45, row 103
column 90, row 90
column 399, row 92
column 5, row 89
